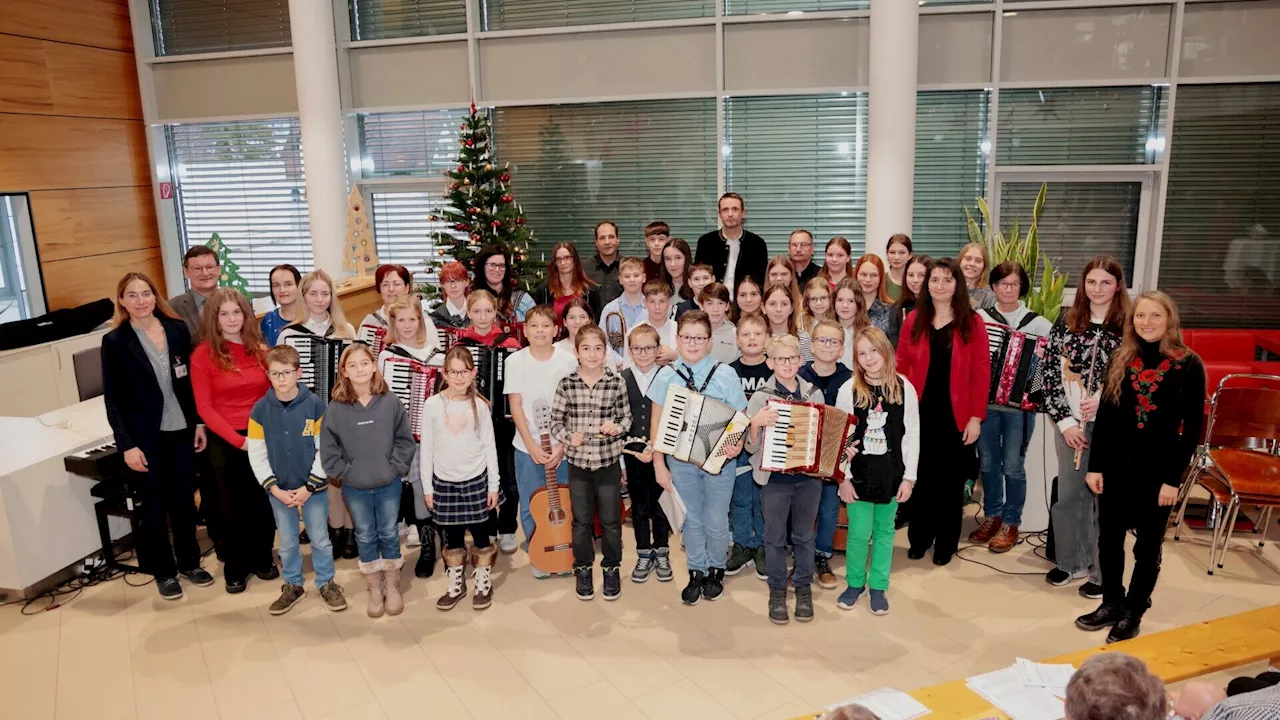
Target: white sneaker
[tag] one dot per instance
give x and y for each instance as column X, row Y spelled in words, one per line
column 412, row 537
column 507, row 543
column 539, row 574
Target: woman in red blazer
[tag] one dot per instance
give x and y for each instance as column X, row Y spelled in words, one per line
column 943, row 351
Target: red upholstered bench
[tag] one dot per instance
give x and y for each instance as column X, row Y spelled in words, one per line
column 1228, row 345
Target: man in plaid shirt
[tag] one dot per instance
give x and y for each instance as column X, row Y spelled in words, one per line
column 588, row 416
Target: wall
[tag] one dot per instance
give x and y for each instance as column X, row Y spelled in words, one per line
column 71, row 135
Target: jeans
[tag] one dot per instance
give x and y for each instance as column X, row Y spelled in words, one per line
column 870, row 529
column 1131, row 505
column 591, row 492
column 1003, row 450
column 376, row 513
column 315, row 513
column 246, row 525
column 706, row 497
column 647, row 518
column 746, row 513
column 167, row 503
column 529, row 477
column 1075, row 514
column 828, row 518
column 797, row 498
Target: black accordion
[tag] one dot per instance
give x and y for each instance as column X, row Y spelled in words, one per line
column 1016, row 368
column 491, row 368
column 413, row 382
column 319, row 360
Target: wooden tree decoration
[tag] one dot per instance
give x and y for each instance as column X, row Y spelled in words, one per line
column 360, row 252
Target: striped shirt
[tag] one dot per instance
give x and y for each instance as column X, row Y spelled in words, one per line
column 1258, row 705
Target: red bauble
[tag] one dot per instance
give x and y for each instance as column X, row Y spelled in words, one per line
column 460, row 226
column 473, row 211
column 496, row 224
column 475, row 237
column 507, row 198
column 504, row 177
column 462, row 168
column 519, row 221
column 471, row 143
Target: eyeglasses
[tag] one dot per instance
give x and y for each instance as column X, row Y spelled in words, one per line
column 459, row 374
column 1010, row 284
column 281, row 374
column 694, row 339
column 801, row 244
column 495, row 266
column 789, row 360
column 828, row 341
column 564, row 258
column 391, row 286
column 644, row 350
column 202, row 268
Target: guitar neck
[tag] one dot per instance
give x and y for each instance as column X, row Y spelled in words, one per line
column 549, row 471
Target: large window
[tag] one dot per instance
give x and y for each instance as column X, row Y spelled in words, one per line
column 417, row 144
column 403, row 229
column 198, row 26
column 951, row 167
column 385, row 19
column 1080, row 220
column 243, row 181
column 1220, row 255
column 1081, row 126
column 21, row 295
column 633, row 163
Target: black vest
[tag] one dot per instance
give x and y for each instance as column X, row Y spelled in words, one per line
column 876, row 477
column 641, row 406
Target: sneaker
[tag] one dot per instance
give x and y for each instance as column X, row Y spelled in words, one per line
column 236, row 585
column 714, row 586
column 612, row 583
column 539, row 574
column 879, row 603
column 849, row 598
column 331, row 593
column 270, row 573
column 986, row 531
column 290, row 595
column 644, row 566
column 1125, row 629
column 692, row 592
column 198, row 577
column 804, row 603
column 586, row 587
column 1058, row 577
column 762, row 571
column 169, row 588
column 739, row 556
column 1104, row 617
column 507, row 543
column 1090, row 590
column 822, row 571
column 412, row 538
column 778, row 607
column 662, row 557
column 1004, row 540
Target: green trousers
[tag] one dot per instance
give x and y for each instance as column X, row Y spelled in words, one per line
column 870, row 529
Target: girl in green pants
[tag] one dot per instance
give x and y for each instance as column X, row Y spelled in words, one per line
column 882, row 464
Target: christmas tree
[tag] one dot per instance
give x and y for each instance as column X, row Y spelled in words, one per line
column 360, row 254
column 230, row 277
column 481, row 209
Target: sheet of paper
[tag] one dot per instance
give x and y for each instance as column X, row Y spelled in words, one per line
column 888, row 704
column 1053, row 677
column 1007, row 690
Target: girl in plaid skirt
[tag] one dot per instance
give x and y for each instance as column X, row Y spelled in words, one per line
column 459, row 464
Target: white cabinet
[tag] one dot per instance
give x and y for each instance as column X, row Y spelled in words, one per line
column 42, row 378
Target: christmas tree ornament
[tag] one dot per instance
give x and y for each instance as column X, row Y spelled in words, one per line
column 230, row 277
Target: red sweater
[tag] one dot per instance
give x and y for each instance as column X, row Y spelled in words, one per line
column 224, row 398
column 970, row 367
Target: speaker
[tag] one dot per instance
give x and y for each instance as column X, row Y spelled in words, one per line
column 57, row 325
column 1051, row 547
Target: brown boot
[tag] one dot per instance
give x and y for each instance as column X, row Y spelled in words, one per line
column 482, row 559
column 455, row 568
column 985, row 531
column 377, row 587
column 1004, row 540
column 391, row 571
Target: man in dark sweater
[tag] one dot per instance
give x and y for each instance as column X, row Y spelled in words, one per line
column 603, row 268
column 733, row 252
column 800, row 250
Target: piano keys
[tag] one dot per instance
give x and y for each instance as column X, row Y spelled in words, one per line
column 412, row 381
column 698, row 429
column 319, row 359
column 808, row 438
column 373, row 335
column 491, row 366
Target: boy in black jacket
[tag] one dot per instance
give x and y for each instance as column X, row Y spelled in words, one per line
column 647, row 518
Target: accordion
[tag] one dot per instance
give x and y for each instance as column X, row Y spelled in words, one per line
column 491, row 366
column 1016, row 368
column 319, row 359
column 807, row 438
column 697, row 429
column 413, row 382
column 375, row 336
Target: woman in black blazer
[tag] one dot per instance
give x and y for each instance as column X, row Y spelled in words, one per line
column 147, row 391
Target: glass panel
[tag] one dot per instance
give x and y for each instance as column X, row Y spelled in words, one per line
column 384, row 19
column 523, row 14
column 1085, row 44
column 1081, row 126
column 951, row 167
column 403, row 232
column 760, row 7
column 411, row 143
column 198, row 26
column 1079, row 220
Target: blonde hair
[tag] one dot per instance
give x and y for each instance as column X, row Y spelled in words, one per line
column 121, row 315
column 645, row 330
column 889, row 382
column 337, row 318
column 986, row 264
column 344, row 391
column 830, row 325
column 808, row 319
column 1171, row 345
column 463, row 355
column 752, row 319
column 408, row 302
column 781, row 342
column 477, row 295
column 630, row 263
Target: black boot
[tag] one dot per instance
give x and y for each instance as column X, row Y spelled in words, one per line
column 692, row 592
column 426, row 565
column 1105, row 616
column 1126, row 628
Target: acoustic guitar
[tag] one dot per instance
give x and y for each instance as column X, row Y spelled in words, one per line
column 551, row 547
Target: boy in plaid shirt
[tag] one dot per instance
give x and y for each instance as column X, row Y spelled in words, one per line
column 588, row 416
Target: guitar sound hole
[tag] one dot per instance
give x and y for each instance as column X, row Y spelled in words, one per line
column 557, row 517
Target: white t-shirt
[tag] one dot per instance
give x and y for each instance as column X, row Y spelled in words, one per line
column 454, row 448
column 724, row 343
column 666, row 337
column 731, row 266
column 536, row 380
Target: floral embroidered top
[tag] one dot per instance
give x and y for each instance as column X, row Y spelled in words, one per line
column 1151, row 434
column 1075, row 367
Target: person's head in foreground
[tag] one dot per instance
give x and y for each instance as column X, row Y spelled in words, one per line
column 1115, row 686
column 850, row 712
column 1196, row 698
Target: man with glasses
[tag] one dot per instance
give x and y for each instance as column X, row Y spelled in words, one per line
column 800, row 250
column 603, row 268
column 200, row 266
column 733, row 252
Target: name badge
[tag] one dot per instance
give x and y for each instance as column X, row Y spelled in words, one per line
column 180, row 370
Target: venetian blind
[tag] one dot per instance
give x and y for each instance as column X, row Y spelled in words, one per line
column 523, row 14
column 182, row 27
column 1081, row 126
column 422, row 144
column 385, row 19
column 951, row 167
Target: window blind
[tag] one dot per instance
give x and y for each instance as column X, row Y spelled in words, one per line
column 800, row 162
column 244, row 181
column 759, row 7
column 523, row 14
column 385, row 19
column 630, row 162
column 1081, row 126
column 951, row 167
column 1079, row 220
column 1220, row 254
column 409, row 143
column 182, row 27
column 402, row 230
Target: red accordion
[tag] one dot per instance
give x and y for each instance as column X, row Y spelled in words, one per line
column 412, row 381
column 1016, row 368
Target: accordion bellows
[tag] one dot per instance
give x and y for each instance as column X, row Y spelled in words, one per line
column 697, row 429
column 808, row 438
column 1016, row 367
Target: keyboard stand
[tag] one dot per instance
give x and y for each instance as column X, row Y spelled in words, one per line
column 115, row 502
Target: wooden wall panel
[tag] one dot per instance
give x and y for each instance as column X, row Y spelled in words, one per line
column 49, row 78
column 76, row 223
column 68, row 283
column 95, row 23
column 24, row 77
column 55, row 153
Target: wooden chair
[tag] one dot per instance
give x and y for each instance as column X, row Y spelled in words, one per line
column 1238, row 463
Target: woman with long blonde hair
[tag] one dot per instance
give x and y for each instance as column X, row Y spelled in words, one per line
column 323, row 314
column 1147, row 430
column 975, row 262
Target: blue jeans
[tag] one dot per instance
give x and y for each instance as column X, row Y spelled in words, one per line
column 315, row 513
column 828, row 518
column 745, row 511
column 529, row 477
column 375, row 512
column 706, row 497
column 1003, row 450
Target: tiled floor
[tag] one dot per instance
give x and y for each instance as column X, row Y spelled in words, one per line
column 122, row 652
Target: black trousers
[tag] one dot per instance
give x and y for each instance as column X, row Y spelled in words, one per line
column 504, row 520
column 455, row 536
column 937, row 501
column 246, row 525
column 592, row 491
column 1129, row 502
column 647, row 519
column 166, row 502
column 1243, row 685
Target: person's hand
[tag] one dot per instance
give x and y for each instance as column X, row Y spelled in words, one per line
column 904, row 490
column 136, row 461
column 1094, row 481
column 646, row 456
column 662, row 475
column 734, row 450
column 1088, row 408
column 852, row 450
column 430, row 499
column 556, row 456
column 1168, row 495
column 610, row 428
column 577, row 439
column 202, row 438
column 765, row 416
column 1074, row 438
column 301, row 496
column 284, row 496
column 666, row 355
column 846, row 492
column 972, row 431
column 493, row 501
column 537, row 454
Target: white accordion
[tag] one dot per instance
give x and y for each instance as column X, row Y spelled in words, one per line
column 697, row 429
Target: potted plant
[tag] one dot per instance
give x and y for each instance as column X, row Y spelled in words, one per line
column 1045, row 297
